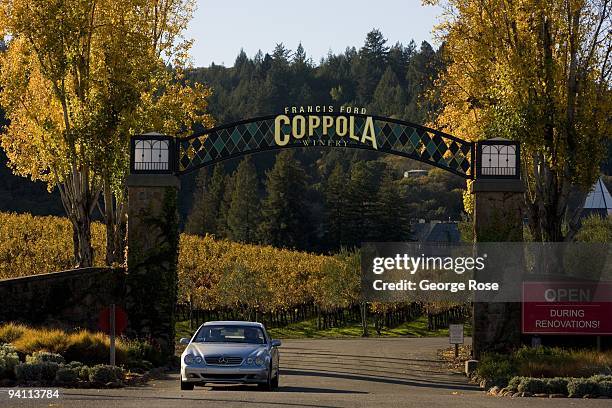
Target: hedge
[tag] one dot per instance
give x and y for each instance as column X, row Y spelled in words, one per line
column 598, row 385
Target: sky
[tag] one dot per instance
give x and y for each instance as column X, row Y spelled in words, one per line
column 221, row 28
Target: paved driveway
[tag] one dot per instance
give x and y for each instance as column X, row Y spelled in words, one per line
column 325, row 373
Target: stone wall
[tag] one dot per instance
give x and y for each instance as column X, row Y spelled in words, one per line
column 65, row 299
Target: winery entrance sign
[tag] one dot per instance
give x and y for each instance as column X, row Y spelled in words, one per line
column 322, row 126
column 157, row 161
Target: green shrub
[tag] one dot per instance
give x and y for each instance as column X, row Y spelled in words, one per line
column 75, row 364
column 557, row 385
column 67, row 374
column 579, row 387
column 8, row 360
column 601, row 378
column 103, row 374
column 496, row 368
column 532, row 385
column 25, row 372
column 541, row 353
column 48, row 370
column 84, row 372
column 138, row 351
column 140, row 366
column 604, row 388
column 514, row 383
column 45, row 356
column 119, row 373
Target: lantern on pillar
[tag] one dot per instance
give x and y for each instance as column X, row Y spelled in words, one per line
column 498, row 158
column 152, row 153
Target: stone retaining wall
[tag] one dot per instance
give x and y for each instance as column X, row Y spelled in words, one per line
column 65, row 299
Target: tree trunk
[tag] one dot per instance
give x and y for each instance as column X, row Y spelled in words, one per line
column 364, row 319
column 114, row 219
column 109, row 222
column 82, row 233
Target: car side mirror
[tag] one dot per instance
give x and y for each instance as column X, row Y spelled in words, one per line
column 275, row 343
column 185, row 340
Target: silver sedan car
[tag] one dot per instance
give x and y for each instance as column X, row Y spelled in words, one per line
column 230, row 352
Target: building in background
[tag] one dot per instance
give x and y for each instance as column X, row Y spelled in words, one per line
column 598, row 201
column 436, row 231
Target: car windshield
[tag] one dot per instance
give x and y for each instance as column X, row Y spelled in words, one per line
column 230, row 334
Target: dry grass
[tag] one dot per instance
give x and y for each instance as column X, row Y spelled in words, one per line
column 84, row 346
column 54, row 341
column 564, row 363
column 10, row 332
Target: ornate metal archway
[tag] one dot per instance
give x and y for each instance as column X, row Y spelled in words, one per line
column 255, row 135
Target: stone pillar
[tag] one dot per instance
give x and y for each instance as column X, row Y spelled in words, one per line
column 152, row 281
column 498, row 217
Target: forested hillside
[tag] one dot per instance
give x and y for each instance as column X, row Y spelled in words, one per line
column 392, row 81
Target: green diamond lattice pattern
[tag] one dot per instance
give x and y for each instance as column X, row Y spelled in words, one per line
column 392, row 137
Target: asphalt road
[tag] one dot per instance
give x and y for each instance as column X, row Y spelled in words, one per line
column 323, row 373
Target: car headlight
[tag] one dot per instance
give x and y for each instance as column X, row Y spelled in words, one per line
column 259, row 361
column 250, row 361
column 189, row 359
column 199, row 360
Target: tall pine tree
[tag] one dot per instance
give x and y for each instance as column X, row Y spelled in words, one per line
column 226, row 202
column 362, row 194
column 391, row 212
column 389, row 98
column 243, row 212
column 285, row 217
column 373, row 58
column 335, row 207
column 204, row 216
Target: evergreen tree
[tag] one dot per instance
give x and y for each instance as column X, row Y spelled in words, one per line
column 204, row 216
column 196, row 218
column 391, row 212
column 281, row 54
column 399, row 58
column 375, row 49
column 423, row 70
column 241, row 60
column 243, row 212
column 285, row 217
column 335, row 205
column 389, row 97
column 362, row 193
column 372, row 62
column 226, row 202
column 300, row 55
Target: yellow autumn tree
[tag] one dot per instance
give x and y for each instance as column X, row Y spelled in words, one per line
column 79, row 78
column 535, row 71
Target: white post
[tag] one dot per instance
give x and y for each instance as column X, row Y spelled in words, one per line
column 112, row 334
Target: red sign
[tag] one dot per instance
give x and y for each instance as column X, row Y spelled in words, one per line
column 121, row 320
column 567, row 308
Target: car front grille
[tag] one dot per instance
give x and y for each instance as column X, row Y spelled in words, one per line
column 223, row 360
column 224, row 377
